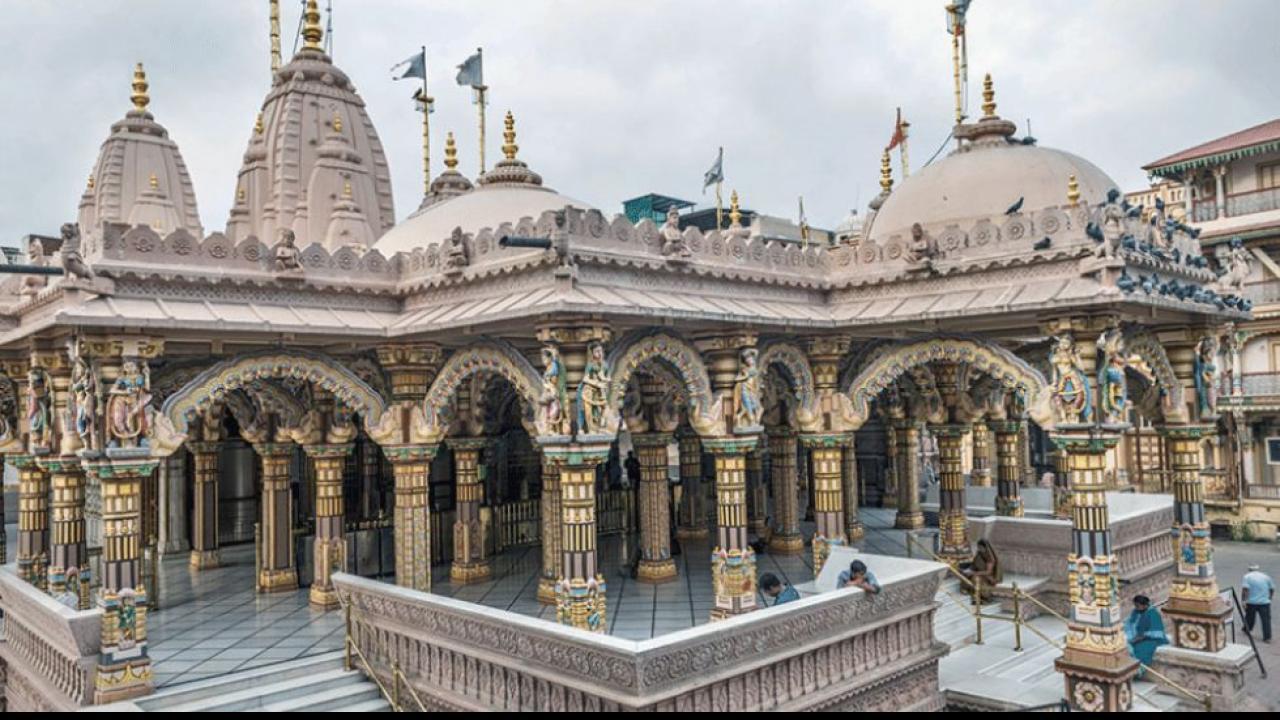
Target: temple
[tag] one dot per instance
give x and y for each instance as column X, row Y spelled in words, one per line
column 320, row 408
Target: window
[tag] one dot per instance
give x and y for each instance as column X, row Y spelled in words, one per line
column 1269, row 176
column 1273, row 451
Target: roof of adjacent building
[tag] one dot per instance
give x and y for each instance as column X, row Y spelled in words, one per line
column 1250, row 141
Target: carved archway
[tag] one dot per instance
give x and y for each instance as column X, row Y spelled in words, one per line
column 214, row 384
column 484, row 357
column 1001, row 365
column 795, row 370
column 1141, row 343
column 705, row 416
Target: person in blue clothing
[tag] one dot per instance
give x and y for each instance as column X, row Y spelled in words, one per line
column 858, row 576
column 1144, row 629
column 772, row 587
column 1258, row 589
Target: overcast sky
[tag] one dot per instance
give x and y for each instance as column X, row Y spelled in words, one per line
column 617, row 98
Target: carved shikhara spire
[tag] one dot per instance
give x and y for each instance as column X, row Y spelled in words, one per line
column 886, row 173
column 988, row 97
column 509, row 147
column 140, row 98
column 450, row 152
column 312, row 32
column 1073, row 190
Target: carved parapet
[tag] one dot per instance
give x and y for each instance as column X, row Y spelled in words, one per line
column 50, row 650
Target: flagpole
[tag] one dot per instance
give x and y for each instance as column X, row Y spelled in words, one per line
column 480, row 97
column 902, row 148
column 426, row 127
column 719, row 207
column 955, row 61
column 275, row 35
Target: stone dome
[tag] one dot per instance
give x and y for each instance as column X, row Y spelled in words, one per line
column 983, row 178
column 139, row 177
column 505, row 194
column 312, row 139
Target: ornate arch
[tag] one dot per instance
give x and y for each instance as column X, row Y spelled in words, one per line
column 704, row 408
column 1010, row 371
column 1140, row 342
column 486, row 356
column 798, row 374
column 215, row 383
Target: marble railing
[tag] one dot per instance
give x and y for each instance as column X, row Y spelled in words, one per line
column 50, row 651
column 841, row 650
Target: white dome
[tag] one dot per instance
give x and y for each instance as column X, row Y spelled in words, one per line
column 982, row 180
column 488, row 206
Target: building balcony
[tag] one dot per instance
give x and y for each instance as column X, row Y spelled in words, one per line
column 1237, row 204
column 1260, row 385
column 1266, row 292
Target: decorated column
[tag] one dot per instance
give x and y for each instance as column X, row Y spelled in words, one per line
column 910, row 516
column 953, row 524
column 277, row 564
column 981, row 475
column 205, row 551
column 892, row 460
column 33, row 521
column 733, row 563
column 470, row 564
column 68, row 557
column 853, row 529
column 330, row 556
column 1197, row 612
column 693, row 509
column 787, row 538
column 828, row 495
column 552, row 532
column 757, row 494
column 580, row 593
column 1096, row 663
column 656, row 563
column 1008, row 467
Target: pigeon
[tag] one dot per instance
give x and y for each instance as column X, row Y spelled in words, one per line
column 1246, row 304
column 1149, row 284
column 1014, row 207
column 1126, row 282
column 1028, row 140
column 1042, row 244
column 1112, row 195
column 1095, row 232
column 1160, row 204
column 1128, row 242
column 1134, row 211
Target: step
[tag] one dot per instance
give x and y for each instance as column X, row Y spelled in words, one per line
column 379, row 705
column 338, row 698
column 255, row 698
column 216, row 687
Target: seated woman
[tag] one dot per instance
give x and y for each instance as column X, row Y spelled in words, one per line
column 984, row 568
column 1144, row 629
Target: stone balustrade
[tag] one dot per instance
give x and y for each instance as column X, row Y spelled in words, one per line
column 839, row 650
column 50, row 651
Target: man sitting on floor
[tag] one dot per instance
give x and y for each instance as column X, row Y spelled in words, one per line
column 772, row 587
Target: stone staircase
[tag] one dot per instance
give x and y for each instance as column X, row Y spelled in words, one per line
column 315, row 684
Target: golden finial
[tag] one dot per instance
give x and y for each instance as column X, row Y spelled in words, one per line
column 988, row 97
column 886, row 173
column 346, row 190
column 91, row 183
column 337, row 122
column 240, row 195
column 258, row 127
column 312, row 33
column 1073, row 190
column 450, row 152
column 735, row 214
column 154, row 182
column 510, row 148
column 139, row 97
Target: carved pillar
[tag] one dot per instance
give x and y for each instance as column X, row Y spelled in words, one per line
column 910, row 516
column 656, row 563
column 1196, row 610
column 470, row 563
column 953, row 524
column 892, row 461
column 757, row 495
column 124, row 668
column 804, row 495
column 580, row 593
column 33, row 521
column 1220, row 191
column 693, row 509
column 733, row 563
column 787, row 538
column 828, row 495
column 68, row 572
column 552, row 530
column 1008, row 467
column 1096, row 664
column 205, row 552
column 277, row 564
column 330, row 462
column 853, row 529
column 981, row 475
column 411, row 466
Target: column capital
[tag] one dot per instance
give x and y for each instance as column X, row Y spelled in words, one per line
column 574, row 454
column 140, row 347
column 730, row 445
column 575, row 332
column 394, row 356
column 120, row 468
column 410, row 453
column 1187, row 432
column 1083, row 439
column 951, row 430
column 328, row 450
column 827, row 439
column 652, row 439
column 468, row 443
column 270, row 449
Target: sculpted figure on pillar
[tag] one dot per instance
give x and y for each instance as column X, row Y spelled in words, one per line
column 673, row 245
column 746, row 391
column 1206, row 376
column 128, row 405
column 39, row 410
column 288, row 257
column 593, row 391
column 554, row 401
column 1114, row 395
column 33, row 284
column 84, row 391
column 1070, row 384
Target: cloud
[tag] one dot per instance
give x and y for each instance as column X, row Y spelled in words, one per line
column 616, row 99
